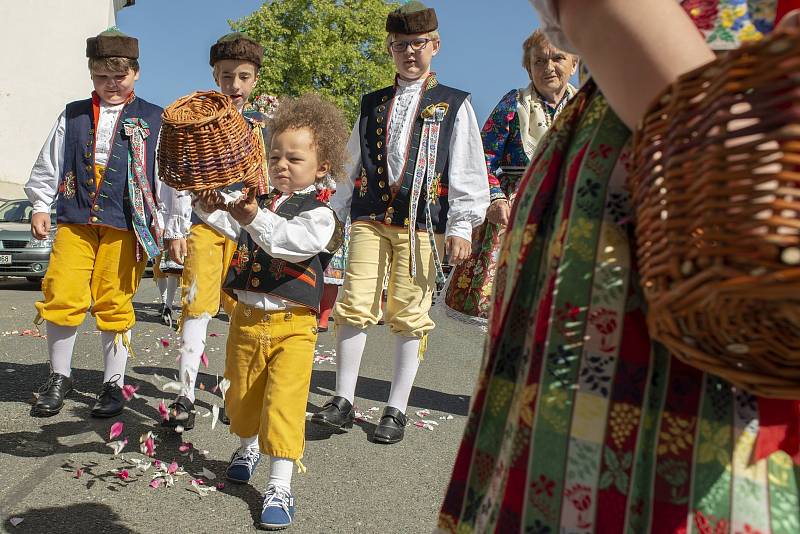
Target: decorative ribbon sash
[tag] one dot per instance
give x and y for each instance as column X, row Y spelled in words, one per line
column 141, row 196
column 425, row 172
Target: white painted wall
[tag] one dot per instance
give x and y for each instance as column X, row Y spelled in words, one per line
column 43, row 66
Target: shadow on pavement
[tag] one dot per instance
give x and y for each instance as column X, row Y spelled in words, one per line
column 85, row 517
column 19, row 284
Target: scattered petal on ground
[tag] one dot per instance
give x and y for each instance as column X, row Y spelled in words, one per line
column 224, row 384
column 209, row 474
column 117, row 446
column 173, row 468
column 162, row 409
column 204, row 359
column 220, row 485
column 156, row 482
column 164, row 342
column 123, row 474
column 423, row 413
column 129, row 391
column 16, row 521
column 172, row 386
column 213, row 334
column 79, row 473
column 116, row 430
column 147, row 444
column 214, row 416
column 201, row 489
column 185, row 447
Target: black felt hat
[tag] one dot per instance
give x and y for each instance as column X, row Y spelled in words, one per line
column 413, row 17
column 237, row 45
column 112, row 43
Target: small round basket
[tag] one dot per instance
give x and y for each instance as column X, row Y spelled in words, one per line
column 716, row 190
column 207, row 144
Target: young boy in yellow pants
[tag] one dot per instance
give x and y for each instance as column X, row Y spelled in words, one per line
column 203, row 251
column 97, row 165
column 286, row 240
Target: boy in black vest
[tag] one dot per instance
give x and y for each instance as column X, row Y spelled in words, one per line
column 417, row 171
column 285, row 241
column 97, row 165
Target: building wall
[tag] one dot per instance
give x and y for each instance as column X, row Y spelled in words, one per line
column 46, row 69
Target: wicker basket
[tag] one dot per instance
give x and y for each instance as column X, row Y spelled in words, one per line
column 716, row 188
column 207, row 144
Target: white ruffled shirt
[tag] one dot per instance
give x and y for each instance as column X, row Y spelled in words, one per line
column 293, row 240
column 42, row 186
column 468, row 194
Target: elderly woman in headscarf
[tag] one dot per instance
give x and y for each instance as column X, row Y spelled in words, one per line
column 510, row 136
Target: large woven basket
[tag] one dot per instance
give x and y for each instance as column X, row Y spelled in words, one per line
column 207, row 144
column 716, row 188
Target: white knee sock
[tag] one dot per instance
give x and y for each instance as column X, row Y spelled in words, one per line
column 161, row 284
column 249, row 443
column 60, row 342
column 280, row 473
column 169, row 293
column 350, row 343
column 115, row 356
column 193, row 344
column 406, row 363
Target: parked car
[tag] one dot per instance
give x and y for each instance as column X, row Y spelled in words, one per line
column 20, row 253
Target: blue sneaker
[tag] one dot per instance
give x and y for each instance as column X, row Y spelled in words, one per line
column 243, row 465
column 278, row 510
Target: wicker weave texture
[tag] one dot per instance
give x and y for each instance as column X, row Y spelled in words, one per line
column 716, row 189
column 207, row 144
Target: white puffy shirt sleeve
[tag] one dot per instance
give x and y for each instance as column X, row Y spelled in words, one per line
column 468, row 190
column 177, row 212
column 340, row 202
column 548, row 13
column 42, row 185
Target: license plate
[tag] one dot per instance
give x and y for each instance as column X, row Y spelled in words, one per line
column 5, row 259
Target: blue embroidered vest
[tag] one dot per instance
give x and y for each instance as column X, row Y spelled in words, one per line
column 258, row 121
column 373, row 198
column 79, row 201
column 254, row 270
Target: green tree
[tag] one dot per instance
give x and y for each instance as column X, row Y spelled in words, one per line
column 333, row 47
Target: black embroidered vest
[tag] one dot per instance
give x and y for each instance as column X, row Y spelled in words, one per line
column 254, row 270
column 373, row 198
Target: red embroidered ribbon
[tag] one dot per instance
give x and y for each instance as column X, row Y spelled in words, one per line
column 778, row 419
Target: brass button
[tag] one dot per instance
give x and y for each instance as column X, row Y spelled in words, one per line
column 381, row 183
column 379, row 131
column 256, row 267
column 87, row 155
column 380, row 170
column 385, row 197
column 381, row 109
column 89, row 182
column 390, row 210
column 95, row 208
column 380, row 120
column 94, row 219
column 88, row 168
column 384, row 98
column 380, row 144
column 380, row 157
column 372, row 216
column 388, row 220
column 91, row 194
column 255, row 282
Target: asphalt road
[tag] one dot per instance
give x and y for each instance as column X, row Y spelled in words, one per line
column 351, row 484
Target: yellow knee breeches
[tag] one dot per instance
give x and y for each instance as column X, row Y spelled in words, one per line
column 208, row 255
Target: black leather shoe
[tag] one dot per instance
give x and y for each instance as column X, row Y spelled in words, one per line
column 336, row 413
column 223, row 416
column 166, row 315
column 181, row 413
column 392, row 426
column 51, row 395
column 111, row 402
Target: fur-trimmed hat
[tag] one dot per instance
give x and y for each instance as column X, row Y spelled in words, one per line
column 112, row 43
column 412, row 17
column 237, row 45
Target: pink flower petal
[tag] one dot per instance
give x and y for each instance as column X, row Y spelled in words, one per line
column 123, row 474
column 116, row 430
column 157, row 464
column 204, row 359
column 155, row 483
column 148, row 447
column 213, row 334
column 129, row 391
column 221, row 485
column 164, row 342
column 172, row 468
column 162, row 409
column 185, row 447
column 79, row 473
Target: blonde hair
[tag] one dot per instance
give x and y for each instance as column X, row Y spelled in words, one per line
column 113, row 64
column 539, row 40
column 432, row 35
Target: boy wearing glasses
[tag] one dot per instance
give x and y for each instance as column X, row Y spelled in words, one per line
column 417, row 170
column 98, row 166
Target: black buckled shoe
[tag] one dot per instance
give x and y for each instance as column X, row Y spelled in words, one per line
column 166, row 315
column 51, row 395
column 337, row 413
column 392, row 426
column 181, row 413
column 110, row 402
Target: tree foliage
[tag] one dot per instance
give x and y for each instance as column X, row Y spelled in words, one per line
column 333, row 47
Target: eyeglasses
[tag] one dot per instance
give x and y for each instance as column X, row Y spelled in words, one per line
column 415, row 44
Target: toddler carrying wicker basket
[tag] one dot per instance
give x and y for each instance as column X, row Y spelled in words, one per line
column 716, row 190
column 207, row 144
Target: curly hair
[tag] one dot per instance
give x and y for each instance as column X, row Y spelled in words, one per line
column 326, row 122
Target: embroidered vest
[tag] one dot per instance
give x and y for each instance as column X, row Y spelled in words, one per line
column 373, row 198
column 258, row 122
column 252, row 269
column 79, row 201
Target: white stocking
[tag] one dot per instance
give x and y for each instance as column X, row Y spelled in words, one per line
column 193, row 344
column 60, row 342
column 350, row 343
column 406, row 363
column 115, row 355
